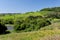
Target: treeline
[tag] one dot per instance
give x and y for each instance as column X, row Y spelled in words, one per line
column 56, row 9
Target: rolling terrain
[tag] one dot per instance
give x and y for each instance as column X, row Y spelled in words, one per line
column 39, row 25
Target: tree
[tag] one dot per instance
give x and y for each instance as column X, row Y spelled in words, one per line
column 3, row 28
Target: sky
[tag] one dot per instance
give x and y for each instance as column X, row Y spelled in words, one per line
column 22, row 6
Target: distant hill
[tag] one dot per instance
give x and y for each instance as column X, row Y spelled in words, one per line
column 57, row 9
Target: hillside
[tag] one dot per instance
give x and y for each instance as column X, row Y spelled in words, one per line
column 39, row 25
column 56, row 9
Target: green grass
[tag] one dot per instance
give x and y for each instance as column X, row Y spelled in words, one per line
column 35, row 35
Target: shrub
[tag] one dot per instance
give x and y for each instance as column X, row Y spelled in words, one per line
column 7, row 21
column 10, row 21
column 31, row 23
column 53, row 15
column 3, row 28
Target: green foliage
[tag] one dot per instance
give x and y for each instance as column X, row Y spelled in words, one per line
column 31, row 23
column 3, row 28
column 53, row 15
column 7, row 21
column 56, row 9
column 46, row 9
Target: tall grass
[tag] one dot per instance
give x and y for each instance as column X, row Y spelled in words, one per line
column 35, row 35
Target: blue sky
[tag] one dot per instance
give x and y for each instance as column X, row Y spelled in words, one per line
column 21, row 6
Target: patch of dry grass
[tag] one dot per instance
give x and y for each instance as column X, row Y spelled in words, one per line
column 35, row 35
column 54, row 37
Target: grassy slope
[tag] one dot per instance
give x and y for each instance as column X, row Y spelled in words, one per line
column 35, row 35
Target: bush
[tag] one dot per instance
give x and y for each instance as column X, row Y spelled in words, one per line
column 53, row 15
column 3, row 28
column 31, row 23
column 7, row 21
column 10, row 21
